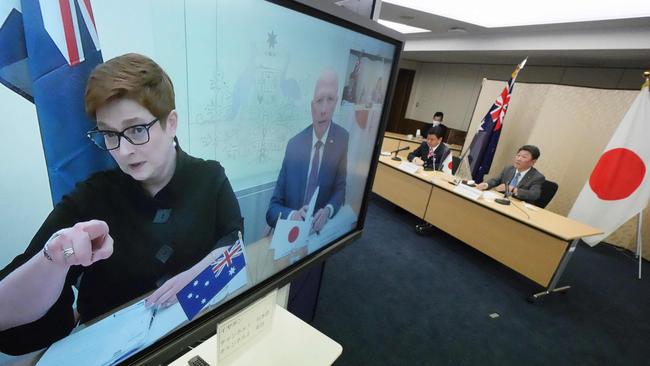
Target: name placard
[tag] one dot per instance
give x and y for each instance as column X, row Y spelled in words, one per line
column 469, row 192
column 408, row 167
column 244, row 328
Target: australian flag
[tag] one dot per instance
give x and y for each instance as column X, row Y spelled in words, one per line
column 484, row 143
column 47, row 50
column 226, row 273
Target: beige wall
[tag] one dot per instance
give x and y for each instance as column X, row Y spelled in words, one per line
column 571, row 126
column 454, row 88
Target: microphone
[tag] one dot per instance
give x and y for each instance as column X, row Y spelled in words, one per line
column 506, row 195
column 397, row 158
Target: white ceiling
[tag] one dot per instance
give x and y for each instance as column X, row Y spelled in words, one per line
column 623, row 43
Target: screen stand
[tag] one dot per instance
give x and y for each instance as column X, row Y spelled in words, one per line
column 288, row 341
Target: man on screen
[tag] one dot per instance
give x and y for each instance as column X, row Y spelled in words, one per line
column 315, row 157
column 524, row 181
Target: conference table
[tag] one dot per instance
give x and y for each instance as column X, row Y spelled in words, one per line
column 534, row 242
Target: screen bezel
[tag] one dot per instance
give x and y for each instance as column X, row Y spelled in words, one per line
column 177, row 342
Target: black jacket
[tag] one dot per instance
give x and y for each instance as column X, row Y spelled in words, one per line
column 204, row 215
column 422, row 152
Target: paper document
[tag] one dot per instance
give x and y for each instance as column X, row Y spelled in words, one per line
column 113, row 338
column 490, row 196
column 344, row 221
column 467, row 191
column 409, row 167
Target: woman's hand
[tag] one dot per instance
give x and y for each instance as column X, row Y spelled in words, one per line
column 83, row 244
column 165, row 295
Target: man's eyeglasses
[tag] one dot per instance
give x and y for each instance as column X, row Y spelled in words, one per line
column 110, row 140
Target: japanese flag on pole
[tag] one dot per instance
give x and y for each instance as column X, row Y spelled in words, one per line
column 619, row 185
column 447, row 165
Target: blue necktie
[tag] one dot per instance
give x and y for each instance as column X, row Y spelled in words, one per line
column 515, row 180
column 312, row 181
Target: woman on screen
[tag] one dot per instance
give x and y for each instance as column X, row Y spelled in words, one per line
column 152, row 224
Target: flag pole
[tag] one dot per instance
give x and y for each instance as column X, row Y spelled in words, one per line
column 639, row 242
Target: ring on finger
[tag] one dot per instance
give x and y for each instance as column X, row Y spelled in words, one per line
column 68, row 252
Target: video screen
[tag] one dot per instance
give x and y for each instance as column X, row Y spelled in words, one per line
column 231, row 139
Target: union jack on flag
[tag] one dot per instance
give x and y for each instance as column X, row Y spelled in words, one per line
column 47, row 50
column 226, row 259
column 224, row 275
column 484, row 144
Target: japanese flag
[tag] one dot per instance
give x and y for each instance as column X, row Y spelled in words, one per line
column 447, row 165
column 619, row 186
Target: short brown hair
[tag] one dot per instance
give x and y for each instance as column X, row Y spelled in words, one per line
column 131, row 76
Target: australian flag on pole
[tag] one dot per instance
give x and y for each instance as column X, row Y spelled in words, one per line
column 484, row 143
column 47, row 50
column 226, row 271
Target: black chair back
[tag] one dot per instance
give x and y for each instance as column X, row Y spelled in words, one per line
column 455, row 160
column 548, row 191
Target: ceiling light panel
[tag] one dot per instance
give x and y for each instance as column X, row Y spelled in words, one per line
column 509, row 13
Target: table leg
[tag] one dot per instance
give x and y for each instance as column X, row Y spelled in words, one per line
column 556, row 276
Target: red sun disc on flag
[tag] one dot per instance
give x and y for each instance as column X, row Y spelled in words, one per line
column 617, row 175
column 293, row 234
column 449, row 165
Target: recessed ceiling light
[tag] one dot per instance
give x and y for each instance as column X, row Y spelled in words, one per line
column 457, row 30
column 402, row 28
column 509, row 13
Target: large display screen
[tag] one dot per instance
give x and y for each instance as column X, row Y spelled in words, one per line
column 288, row 100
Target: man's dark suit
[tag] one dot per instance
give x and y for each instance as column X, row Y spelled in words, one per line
column 529, row 187
column 422, row 152
column 292, row 181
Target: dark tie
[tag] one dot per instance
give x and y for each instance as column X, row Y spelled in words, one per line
column 312, row 181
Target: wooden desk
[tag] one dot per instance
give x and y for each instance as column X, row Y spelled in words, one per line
column 408, row 192
column 534, row 242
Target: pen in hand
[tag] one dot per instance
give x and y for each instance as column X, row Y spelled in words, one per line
column 154, row 310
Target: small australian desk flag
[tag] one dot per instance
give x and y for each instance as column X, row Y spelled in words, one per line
column 212, row 280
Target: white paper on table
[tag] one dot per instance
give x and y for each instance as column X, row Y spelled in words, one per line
column 113, row 338
column 467, row 191
column 341, row 223
column 491, row 196
column 409, row 167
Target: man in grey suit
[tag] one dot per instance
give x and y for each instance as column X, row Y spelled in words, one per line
column 524, row 181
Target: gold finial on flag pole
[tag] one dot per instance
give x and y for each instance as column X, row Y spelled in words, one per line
column 646, row 76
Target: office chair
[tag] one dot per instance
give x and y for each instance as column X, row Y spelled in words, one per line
column 548, row 191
